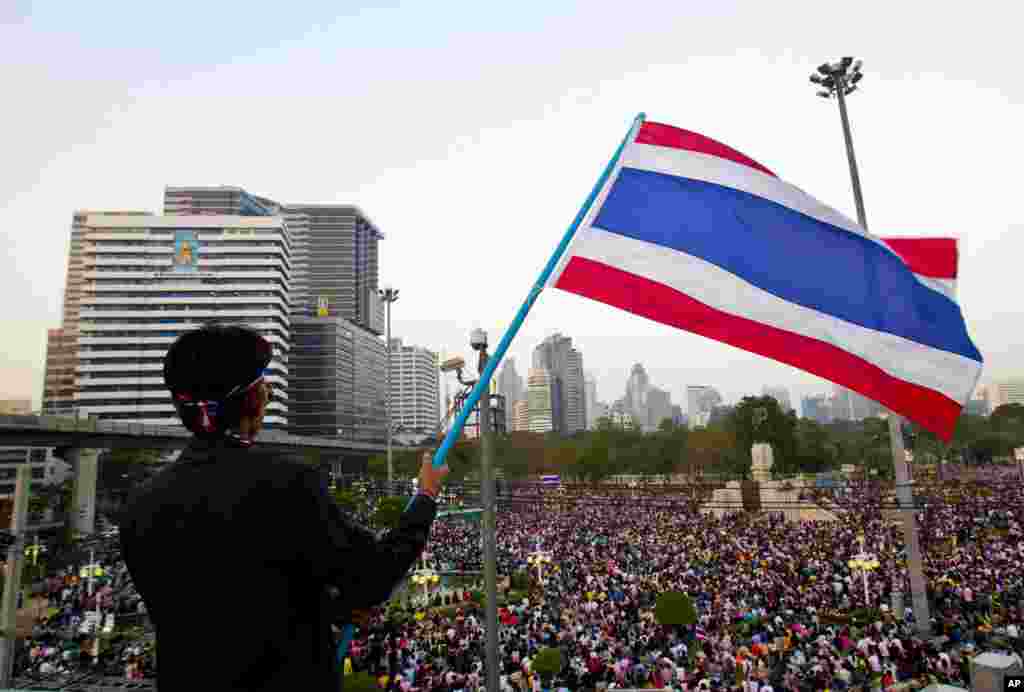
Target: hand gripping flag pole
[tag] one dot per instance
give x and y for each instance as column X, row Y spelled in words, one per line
column 492, row 364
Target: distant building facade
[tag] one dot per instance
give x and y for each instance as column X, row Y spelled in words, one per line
column 539, row 398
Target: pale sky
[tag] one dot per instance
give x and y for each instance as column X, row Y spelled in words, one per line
column 472, row 132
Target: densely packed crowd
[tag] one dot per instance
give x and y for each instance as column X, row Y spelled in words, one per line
column 63, row 637
column 773, row 599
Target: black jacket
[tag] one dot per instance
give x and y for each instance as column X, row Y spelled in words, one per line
column 232, row 551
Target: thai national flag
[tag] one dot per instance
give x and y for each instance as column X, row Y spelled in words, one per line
column 691, row 233
column 551, row 481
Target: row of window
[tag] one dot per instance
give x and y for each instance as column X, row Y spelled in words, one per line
column 127, row 268
column 165, row 308
column 102, row 246
column 155, row 334
column 156, row 400
column 164, row 256
column 94, row 322
column 38, row 473
column 201, row 232
column 169, row 418
column 205, row 281
column 196, row 294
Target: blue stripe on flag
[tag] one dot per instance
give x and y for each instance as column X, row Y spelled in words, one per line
column 797, row 258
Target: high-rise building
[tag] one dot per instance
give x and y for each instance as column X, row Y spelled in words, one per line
column 564, row 366
column 59, row 384
column 510, row 386
column 224, row 200
column 340, row 263
column 575, row 394
column 540, row 398
column 45, row 467
column 817, row 408
column 520, row 416
column 636, row 389
column 415, row 388
column 145, row 280
column 15, row 407
column 338, row 380
column 659, row 408
column 678, row 417
column 848, row 405
column 590, row 399
column 335, row 249
column 781, row 395
column 701, row 400
column 1009, row 392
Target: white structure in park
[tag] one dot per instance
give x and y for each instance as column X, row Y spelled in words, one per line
column 776, row 496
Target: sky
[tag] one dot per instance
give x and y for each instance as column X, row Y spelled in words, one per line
column 471, row 133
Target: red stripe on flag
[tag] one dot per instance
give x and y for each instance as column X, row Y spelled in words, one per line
column 660, row 303
column 933, row 257
column 667, row 136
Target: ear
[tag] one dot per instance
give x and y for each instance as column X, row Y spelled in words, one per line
column 253, row 402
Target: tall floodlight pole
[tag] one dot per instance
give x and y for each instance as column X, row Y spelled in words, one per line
column 478, row 340
column 839, row 80
column 389, row 295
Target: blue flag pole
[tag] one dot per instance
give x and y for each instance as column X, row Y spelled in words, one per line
column 492, row 364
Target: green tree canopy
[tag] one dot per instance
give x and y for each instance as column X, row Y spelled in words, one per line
column 674, row 608
column 760, row 419
column 548, row 663
column 388, row 511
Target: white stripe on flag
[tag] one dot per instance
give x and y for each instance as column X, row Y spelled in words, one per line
column 705, row 282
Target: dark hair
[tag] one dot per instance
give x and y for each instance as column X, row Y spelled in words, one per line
column 210, row 372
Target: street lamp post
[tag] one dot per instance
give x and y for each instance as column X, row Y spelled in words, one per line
column 389, row 295
column 864, row 562
column 478, row 342
column 839, row 80
column 539, row 559
column 425, row 577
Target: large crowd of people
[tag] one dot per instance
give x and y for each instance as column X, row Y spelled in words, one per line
column 778, row 605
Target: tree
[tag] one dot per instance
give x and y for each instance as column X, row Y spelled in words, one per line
column 712, row 451
column 548, row 663
column 594, row 462
column 1008, row 417
column 674, row 609
column 389, row 510
column 761, row 419
column 359, row 682
column 347, row 500
column 815, row 452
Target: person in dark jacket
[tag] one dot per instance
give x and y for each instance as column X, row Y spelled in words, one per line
column 234, row 550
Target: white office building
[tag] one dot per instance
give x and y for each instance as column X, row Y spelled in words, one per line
column 148, row 279
column 538, row 397
column 415, row 389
